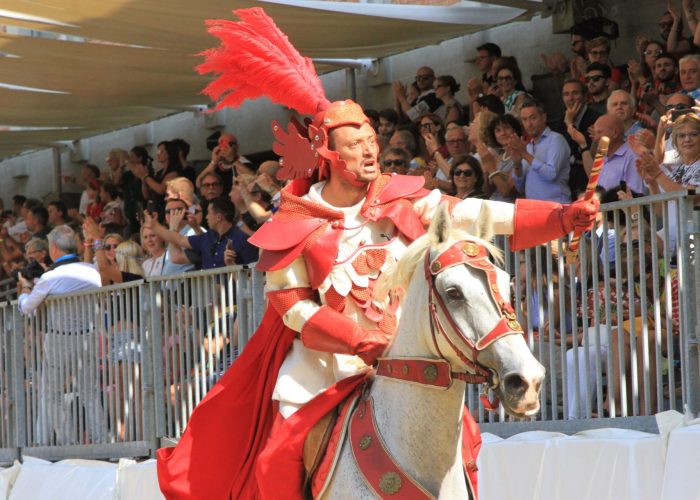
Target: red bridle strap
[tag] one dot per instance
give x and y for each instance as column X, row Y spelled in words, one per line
column 476, row 256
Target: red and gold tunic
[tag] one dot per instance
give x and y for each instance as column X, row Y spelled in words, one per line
column 316, row 254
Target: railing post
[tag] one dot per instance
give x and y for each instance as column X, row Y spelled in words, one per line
column 689, row 284
column 154, row 412
column 15, row 323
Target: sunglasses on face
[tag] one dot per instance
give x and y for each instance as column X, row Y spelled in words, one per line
column 595, row 78
column 427, row 125
column 656, row 52
column 110, row 247
column 423, row 77
column 210, row 185
column 394, row 163
column 463, row 173
column 677, row 107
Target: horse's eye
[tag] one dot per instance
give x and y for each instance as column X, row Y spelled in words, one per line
column 454, row 293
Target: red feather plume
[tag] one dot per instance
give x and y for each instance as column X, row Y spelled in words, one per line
column 256, row 59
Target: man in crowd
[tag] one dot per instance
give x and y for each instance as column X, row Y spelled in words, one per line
column 210, row 187
column 394, row 161
column 58, row 213
column 666, row 74
column 426, row 102
column 457, row 146
column 581, row 117
column 175, row 260
column 597, row 79
column 690, row 75
column 540, row 167
column 598, row 52
column 388, row 119
column 210, row 246
column 224, row 161
column 37, row 219
column 486, row 56
column 620, row 163
column 67, row 337
column 621, row 104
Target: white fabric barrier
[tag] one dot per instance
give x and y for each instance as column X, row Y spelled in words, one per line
column 138, row 481
column 605, row 464
column 681, row 478
column 617, row 464
column 64, row 480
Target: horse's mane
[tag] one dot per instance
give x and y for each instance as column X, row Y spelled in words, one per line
column 397, row 278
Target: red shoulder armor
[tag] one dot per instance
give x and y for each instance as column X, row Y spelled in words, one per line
column 401, row 186
column 278, row 234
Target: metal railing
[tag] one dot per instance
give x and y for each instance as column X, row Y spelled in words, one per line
column 117, row 371
column 613, row 347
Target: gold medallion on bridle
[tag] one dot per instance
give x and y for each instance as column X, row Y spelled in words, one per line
column 435, row 266
column 365, row 442
column 390, row 483
column 472, row 250
column 513, row 324
column 430, row 373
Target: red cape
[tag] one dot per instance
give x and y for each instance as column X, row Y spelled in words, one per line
column 215, row 457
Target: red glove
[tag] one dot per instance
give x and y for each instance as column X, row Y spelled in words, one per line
column 330, row 331
column 580, row 215
column 536, row 221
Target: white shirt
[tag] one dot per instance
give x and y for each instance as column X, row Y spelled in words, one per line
column 66, row 278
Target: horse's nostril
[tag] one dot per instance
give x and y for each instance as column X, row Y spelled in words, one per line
column 515, row 385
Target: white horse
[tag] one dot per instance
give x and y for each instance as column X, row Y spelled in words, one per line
column 421, row 424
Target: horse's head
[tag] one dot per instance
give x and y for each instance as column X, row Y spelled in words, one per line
column 468, row 319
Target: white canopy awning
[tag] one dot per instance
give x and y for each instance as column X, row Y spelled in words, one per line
column 122, row 62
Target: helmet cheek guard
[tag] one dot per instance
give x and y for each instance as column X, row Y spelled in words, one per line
column 305, row 149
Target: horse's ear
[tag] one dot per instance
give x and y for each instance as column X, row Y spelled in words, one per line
column 484, row 225
column 441, row 225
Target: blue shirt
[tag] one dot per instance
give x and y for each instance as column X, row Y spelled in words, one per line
column 547, row 178
column 211, row 247
column 621, row 166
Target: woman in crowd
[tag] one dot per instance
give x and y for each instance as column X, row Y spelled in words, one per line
column 154, row 248
column 685, row 136
column 508, row 78
column 641, row 73
column 95, row 204
column 153, row 185
column 451, row 110
column 496, row 163
column 467, row 178
column 112, row 215
column 431, row 124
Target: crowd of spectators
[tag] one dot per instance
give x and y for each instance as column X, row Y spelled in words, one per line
column 143, row 217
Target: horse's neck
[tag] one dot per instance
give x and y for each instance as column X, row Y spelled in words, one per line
column 420, row 425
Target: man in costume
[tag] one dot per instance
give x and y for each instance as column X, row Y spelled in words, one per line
column 339, row 226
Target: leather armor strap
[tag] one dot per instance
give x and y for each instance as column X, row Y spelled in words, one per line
column 381, row 473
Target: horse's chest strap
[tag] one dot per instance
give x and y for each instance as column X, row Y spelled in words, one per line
column 423, row 371
column 381, row 473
